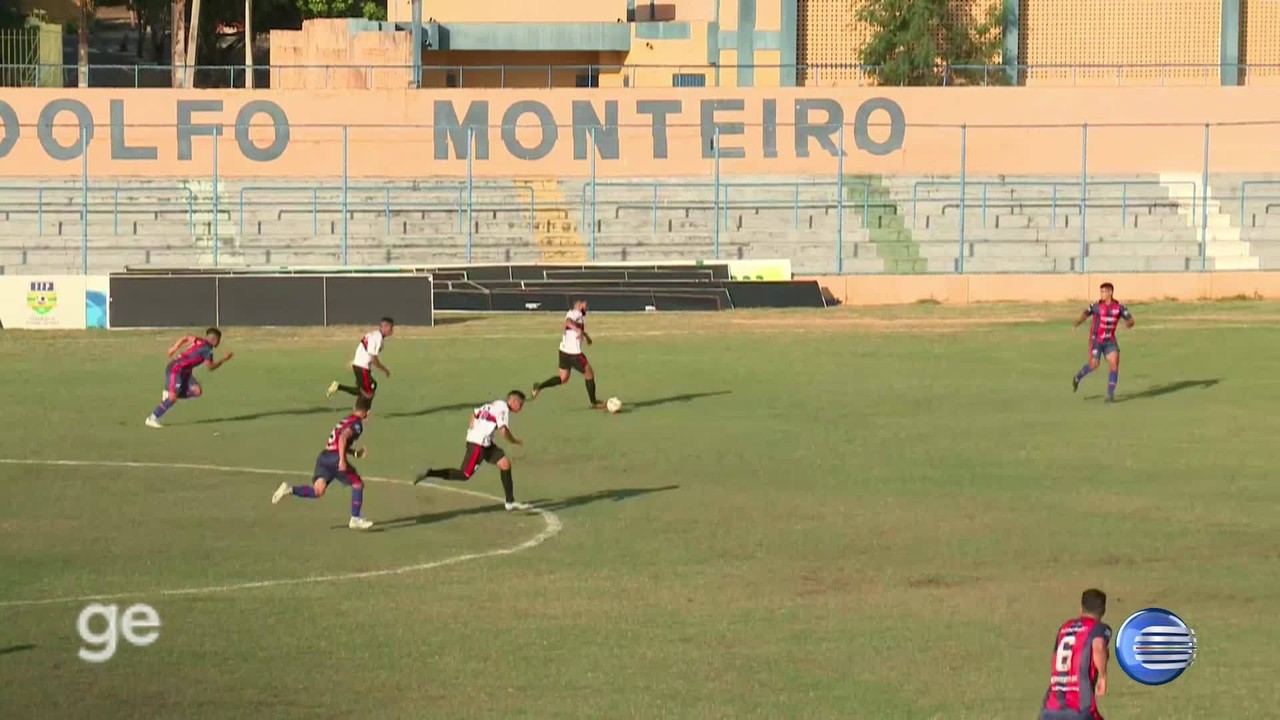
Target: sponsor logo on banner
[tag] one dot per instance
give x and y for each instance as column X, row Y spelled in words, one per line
column 42, row 297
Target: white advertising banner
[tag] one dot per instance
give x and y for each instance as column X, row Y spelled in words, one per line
column 48, row 302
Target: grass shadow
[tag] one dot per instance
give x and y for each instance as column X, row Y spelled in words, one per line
column 687, row 397
column 316, row 410
column 1169, row 388
column 455, row 319
column 434, row 410
column 17, row 649
column 615, row 495
column 1160, row 390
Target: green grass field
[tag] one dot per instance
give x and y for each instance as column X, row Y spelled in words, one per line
column 848, row 514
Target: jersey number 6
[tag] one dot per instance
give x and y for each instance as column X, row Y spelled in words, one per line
column 1062, row 658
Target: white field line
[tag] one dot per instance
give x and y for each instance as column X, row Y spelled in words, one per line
column 552, row 528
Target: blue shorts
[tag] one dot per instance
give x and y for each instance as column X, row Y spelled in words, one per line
column 1103, row 349
column 180, row 384
column 327, row 469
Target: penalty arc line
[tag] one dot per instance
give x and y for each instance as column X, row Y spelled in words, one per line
column 551, row 529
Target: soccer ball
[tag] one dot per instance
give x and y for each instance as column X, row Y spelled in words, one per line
column 613, row 405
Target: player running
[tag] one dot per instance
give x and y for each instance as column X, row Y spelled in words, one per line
column 332, row 465
column 1080, row 655
column 179, row 383
column 367, row 352
column 571, row 356
column 1106, row 314
column 485, row 421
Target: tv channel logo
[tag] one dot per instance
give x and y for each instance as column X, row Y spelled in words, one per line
column 1154, row 646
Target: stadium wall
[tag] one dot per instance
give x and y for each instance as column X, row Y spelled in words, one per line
column 972, row 289
column 166, row 133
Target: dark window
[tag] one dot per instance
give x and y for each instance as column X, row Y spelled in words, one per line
column 688, row 80
column 451, row 80
column 590, row 80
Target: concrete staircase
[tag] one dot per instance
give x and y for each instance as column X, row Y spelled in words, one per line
column 1224, row 248
column 554, row 232
column 878, row 225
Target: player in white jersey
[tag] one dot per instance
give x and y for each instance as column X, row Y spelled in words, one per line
column 367, row 352
column 571, row 355
column 486, row 421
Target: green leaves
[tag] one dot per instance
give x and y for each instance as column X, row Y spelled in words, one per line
column 932, row 42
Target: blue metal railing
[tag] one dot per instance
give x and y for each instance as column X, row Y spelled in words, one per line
column 387, row 207
column 51, row 199
column 1054, row 200
column 644, row 75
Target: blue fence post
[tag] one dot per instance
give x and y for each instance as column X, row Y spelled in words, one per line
column 715, row 202
column 593, row 194
column 84, row 200
column 471, row 145
column 964, row 187
column 214, row 224
column 345, row 185
column 1084, row 190
column 1204, row 205
column 840, row 203
column 654, row 208
column 115, row 210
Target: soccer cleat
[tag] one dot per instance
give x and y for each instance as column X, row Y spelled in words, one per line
column 1110, row 400
column 1075, row 384
column 152, row 422
column 280, row 493
column 422, row 477
column 597, row 406
column 533, row 394
column 514, row 506
column 360, row 524
column 333, row 388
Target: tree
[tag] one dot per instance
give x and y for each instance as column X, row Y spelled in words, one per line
column 932, row 42
column 367, row 9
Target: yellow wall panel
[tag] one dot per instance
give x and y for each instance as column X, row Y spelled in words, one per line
column 768, row 74
column 1109, row 33
column 768, row 14
column 1260, row 41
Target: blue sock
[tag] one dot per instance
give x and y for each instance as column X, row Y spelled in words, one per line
column 1083, row 371
column 304, row 491
column 357, row 499
column 1112, row 379
column 162, row 408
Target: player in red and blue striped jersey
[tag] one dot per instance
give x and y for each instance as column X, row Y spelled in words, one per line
column 1107, row 314
column 179, row 383
column 332, row 464
column 1080, row 656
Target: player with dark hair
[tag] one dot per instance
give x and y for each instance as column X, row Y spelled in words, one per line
column 1107, row 314
column 571, row 355
column 1080, row 655
column 486, row 420
column 179, row 383
column 367, row 351
column 331, row 464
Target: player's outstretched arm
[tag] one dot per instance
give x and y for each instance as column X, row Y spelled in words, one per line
column 215, row 364
column 373, row 360
column 1083, row 316
column 506, row 432
column 180, row 343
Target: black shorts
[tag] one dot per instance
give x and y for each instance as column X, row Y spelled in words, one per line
column 364, row 381
column 327, row 469
column 1103, row 349
column 573, row 362
column 477, row 454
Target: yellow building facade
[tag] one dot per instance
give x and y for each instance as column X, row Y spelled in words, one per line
column 780, row 43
